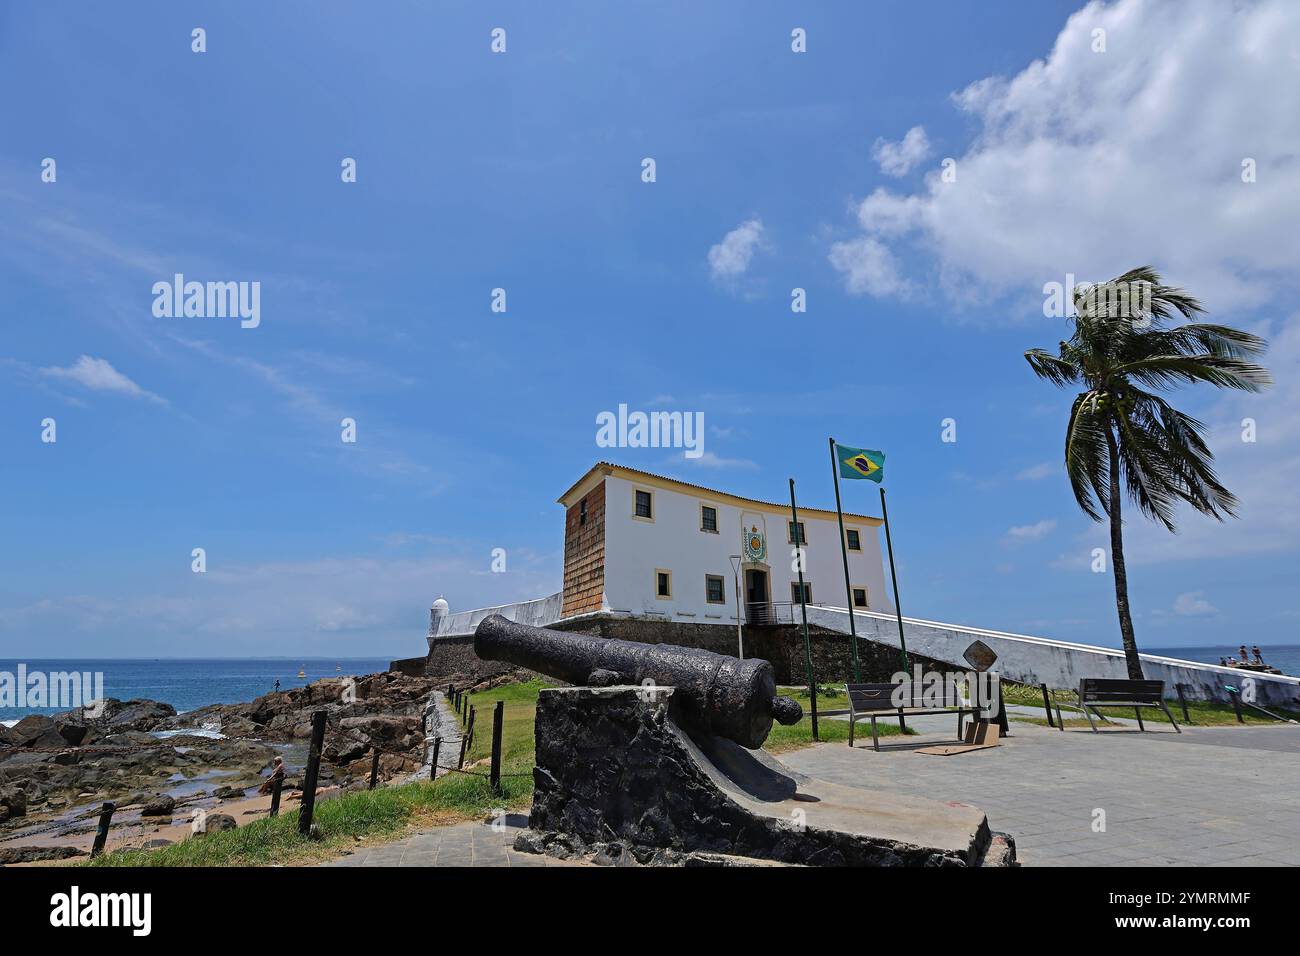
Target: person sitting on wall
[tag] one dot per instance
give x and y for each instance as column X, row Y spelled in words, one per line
column 1258, row 658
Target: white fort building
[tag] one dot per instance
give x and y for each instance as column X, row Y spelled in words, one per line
column 652, row 558
column 643, row 545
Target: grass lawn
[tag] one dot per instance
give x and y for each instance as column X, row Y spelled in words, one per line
column 373, row 816
column 1203, row 713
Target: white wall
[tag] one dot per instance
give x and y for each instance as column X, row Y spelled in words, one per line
column 634, row 549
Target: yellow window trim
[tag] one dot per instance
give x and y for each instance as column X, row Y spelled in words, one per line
column 721, row 578
column 669, row 595
column 653, row 509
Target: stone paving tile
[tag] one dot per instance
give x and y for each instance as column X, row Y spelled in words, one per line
column 1229, row 795
column 465, row 844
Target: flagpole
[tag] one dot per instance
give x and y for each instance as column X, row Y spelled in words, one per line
column 844, row 550
column 898, row 608
column 803, row 606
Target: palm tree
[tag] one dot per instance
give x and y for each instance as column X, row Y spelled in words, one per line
column 1123, row 349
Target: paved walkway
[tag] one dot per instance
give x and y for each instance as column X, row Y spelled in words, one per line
column 1223, row 796
column 1211, row 796
column 465, row 844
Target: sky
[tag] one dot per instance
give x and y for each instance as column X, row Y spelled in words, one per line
column 1084, row 141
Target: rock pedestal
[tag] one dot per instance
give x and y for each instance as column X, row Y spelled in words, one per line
column 614, row 767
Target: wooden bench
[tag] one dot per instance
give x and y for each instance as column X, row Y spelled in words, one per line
column 1097, row 692
column 877, row 701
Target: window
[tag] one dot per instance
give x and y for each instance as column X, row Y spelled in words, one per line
column 715, row 589
column 860, row 597
column 582, row 511
column 807, row 592
column 644, row 505
column 803, row 534
column 663, row 584
column 709, row 519
column 855, row 539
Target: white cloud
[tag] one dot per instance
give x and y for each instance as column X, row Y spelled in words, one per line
column 1036, row 472
column 1031, row 532
column 869, row 267
column 1092, row 163
column 1193, row 604
column 98, row 375
column 897, row 159
column 353, row 604
column 1260, row 473
column 730, row 258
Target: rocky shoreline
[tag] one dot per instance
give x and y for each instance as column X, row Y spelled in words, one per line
column 162, row 768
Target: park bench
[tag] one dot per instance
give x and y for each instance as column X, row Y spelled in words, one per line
column 877, row 701
column 1097, row 692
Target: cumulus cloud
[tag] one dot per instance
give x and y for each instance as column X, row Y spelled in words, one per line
column 1092, row 162
column 1193, row 604
column 897, row 159
column 98, row 375
column 1031, row 532
column 730, row 258
column 870, row 267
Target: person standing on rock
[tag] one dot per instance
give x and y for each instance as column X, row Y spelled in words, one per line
column 277, row 685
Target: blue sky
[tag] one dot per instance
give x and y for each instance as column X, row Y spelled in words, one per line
column 522, row 171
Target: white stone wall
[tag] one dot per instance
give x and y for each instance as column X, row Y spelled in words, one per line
column 539, row 613
column 673, row 541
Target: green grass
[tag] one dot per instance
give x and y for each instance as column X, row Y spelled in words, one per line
column 784, row 739
column 1203, row 713
column 384, row 812
column 355, row 819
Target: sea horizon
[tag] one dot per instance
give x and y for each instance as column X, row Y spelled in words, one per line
column 190, row 683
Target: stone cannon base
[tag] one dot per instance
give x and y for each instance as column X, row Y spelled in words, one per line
column 617, row 778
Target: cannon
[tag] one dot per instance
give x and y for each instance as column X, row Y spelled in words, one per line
column 713, row 693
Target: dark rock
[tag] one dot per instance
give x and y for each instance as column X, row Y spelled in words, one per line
column 216, row 822
column 345, row 750
column 229, row 793
column 74, row 733
column 36, row 730
column 13, row 802
column 32, row 854
column 160, row 806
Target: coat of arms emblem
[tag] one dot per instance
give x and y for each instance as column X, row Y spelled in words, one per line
column 755, row 545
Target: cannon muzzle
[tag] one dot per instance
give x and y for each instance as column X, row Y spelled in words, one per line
column 715, row 693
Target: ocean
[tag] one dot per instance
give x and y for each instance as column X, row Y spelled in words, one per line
column 186, row 684
column 1285, row 657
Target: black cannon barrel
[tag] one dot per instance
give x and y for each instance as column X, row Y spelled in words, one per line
column 719, row 694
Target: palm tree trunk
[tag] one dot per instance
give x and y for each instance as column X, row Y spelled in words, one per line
column 1117, row 563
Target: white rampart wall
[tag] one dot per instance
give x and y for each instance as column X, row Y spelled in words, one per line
column 1032, row 660
column 539, row 613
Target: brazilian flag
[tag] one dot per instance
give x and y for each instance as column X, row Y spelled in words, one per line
column 860, row 463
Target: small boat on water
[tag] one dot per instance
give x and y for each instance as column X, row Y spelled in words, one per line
column 302, row 672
